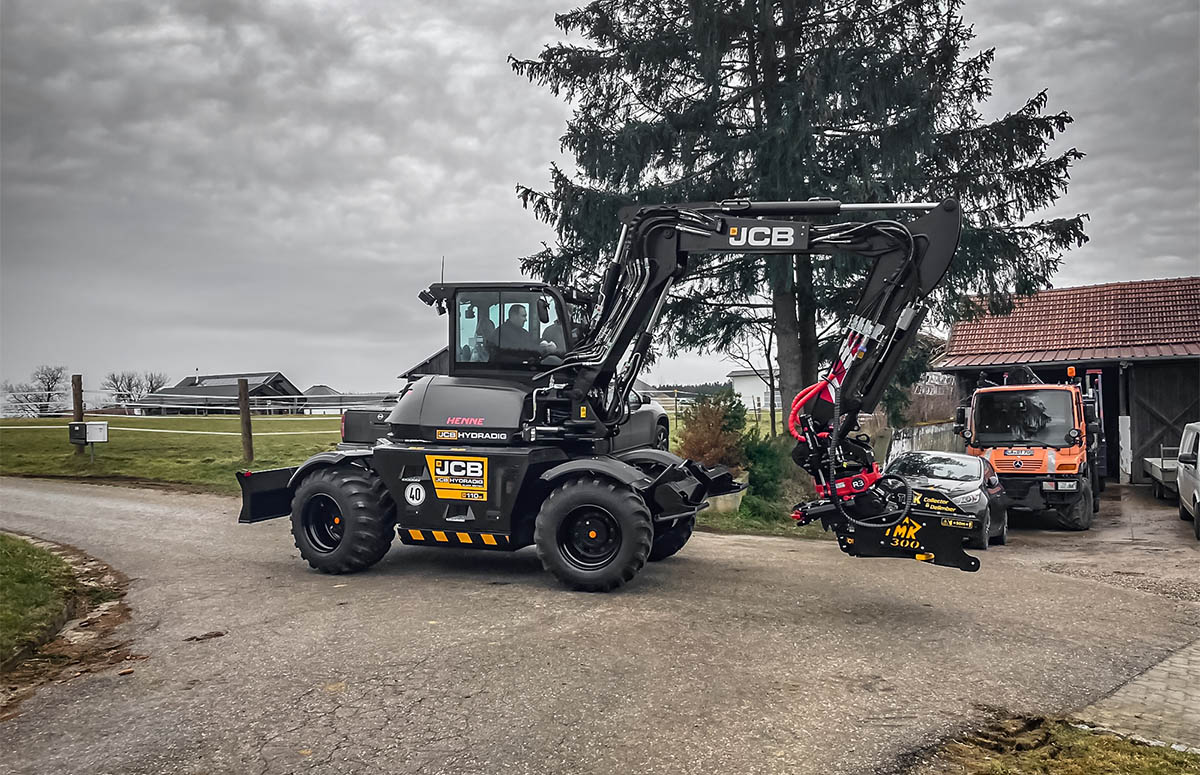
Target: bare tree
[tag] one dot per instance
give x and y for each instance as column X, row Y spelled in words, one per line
column 125, row 386
column 755, row 346
column 44, row 394
column 154, row 380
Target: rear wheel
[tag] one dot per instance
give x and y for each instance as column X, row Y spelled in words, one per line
column 343, row 519
column 670, row 539
column 593, row 534
column 1079, row 515
column 1183, row 512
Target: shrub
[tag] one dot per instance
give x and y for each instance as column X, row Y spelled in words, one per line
column 705, row 438
column 768, row 462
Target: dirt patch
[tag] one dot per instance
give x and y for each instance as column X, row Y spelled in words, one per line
column 1040, row 746
column 85, row 644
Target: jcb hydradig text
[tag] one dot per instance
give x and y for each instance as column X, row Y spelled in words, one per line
column 520, row 441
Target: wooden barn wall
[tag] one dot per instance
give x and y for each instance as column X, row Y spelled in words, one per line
column 1162, row 398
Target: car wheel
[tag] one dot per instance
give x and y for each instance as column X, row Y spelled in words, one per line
column 1196, row 520
column 1183, row 512
column 1001, row 538
column 662, row 437
column 980, row 540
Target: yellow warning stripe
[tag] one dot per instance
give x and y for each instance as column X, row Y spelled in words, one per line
column 463, row 539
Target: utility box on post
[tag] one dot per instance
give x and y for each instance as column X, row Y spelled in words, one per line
column 88, row 433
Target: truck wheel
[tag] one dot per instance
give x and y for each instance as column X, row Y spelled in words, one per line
column 343, row 519
column 671, row 539
column 1079, row 516
column 593, row 534
column 980, row 540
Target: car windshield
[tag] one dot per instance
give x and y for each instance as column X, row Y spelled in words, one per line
column 935, row 466
column 1041, row 417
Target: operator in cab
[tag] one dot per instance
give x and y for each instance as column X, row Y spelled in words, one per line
column 517, row 341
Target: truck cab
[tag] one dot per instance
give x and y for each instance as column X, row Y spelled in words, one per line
column 1043, row 442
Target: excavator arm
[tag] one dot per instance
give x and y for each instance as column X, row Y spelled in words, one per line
column 872, row 514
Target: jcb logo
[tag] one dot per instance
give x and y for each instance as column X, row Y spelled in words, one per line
column 457, row 467
column 762, row 236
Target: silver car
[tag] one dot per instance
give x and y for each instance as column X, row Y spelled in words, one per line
column 969, row 481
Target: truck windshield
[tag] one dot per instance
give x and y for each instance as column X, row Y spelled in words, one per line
column 1039, row 417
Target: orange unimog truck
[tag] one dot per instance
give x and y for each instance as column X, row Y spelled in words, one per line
column 1044, row 442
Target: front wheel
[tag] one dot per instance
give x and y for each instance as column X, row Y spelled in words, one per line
column 662, row 437
column 980, row 540
column 343, row 519
column 593, row 534
column 1079, row 515
column 669, row 540
column 1001, row 538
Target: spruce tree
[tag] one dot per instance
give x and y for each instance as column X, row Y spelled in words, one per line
column 858, row 100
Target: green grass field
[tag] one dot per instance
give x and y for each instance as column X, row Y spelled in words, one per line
column 201, row 461
column 34, row 587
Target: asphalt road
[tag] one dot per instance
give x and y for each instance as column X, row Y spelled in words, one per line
column 739, row 655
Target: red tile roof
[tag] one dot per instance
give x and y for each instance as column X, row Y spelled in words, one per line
column 1115, row 321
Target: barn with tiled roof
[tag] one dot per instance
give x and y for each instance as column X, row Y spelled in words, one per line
column 1142, row 337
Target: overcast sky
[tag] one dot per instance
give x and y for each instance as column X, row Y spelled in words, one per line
column 223, row 186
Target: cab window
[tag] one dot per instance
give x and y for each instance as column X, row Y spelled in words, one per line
column 508, row 329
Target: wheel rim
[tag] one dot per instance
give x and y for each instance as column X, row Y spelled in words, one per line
column 322, row 520
column 590, row 537
column 663, row 438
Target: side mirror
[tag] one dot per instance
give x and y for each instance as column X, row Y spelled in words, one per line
column 960, row 419
column 1093, row 428
column 543, row 307
column 1188, row 457
column 1089, row 412
column 644, row 398
column 993, row 481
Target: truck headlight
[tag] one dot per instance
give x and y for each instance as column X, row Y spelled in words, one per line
column 1068, row 485
column 968, row 499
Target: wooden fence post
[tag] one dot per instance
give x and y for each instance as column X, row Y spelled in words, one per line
column 77, row 405
column 244, row 410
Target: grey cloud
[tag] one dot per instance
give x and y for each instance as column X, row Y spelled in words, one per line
column 240, row 185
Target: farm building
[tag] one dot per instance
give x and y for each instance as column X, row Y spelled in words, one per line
column 1142, row 336
column 272, row 392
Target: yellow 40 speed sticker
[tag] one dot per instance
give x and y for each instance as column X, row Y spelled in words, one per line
column 459, row 478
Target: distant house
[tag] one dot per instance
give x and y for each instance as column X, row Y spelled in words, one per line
column 751, row 387
column 1141, row 337
column 270, row 393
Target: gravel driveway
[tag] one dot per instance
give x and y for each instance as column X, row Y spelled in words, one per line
column 739, row 655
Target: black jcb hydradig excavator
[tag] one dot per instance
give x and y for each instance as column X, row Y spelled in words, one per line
column 515, row 444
